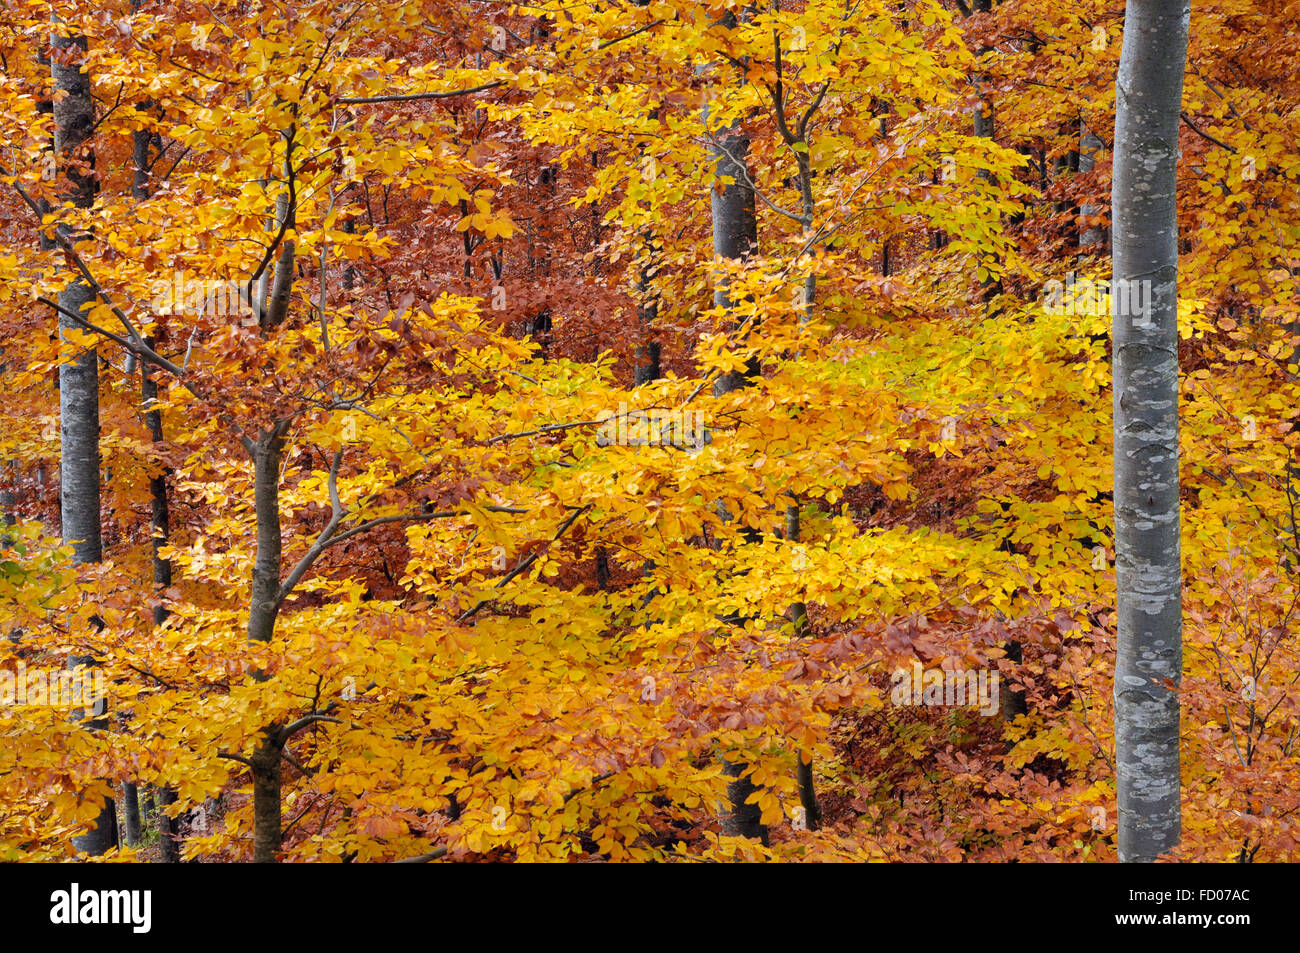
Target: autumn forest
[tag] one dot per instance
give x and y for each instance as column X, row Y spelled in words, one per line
column 633, row 430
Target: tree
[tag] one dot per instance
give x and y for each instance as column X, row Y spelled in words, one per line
column 1149, row 663
column 735, row 239
column 74, row 120
column 388, row 578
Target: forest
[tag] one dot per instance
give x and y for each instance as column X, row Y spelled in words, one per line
column 649, row 431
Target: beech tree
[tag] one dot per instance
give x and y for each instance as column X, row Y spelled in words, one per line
column 1148, row 567
column 79, row 511
column 560, row 432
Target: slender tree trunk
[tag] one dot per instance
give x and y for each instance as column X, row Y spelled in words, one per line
column 278, row 307
column 160, row 527
column 797, row 612
column 266, row 798
column 812, row 809
column 982, row 125
column 169, row 841
column 735, row 237
column 1090, row 234
column 160, row 521
column 648, row 352
column 1012, row 701
column 267, row 452
column 1148, row 666
column 74, row 121
column 130, row 814
column 160, row 518
column 78, row 379
column 140, row 142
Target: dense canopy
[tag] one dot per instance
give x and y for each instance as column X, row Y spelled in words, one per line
column 613, row 430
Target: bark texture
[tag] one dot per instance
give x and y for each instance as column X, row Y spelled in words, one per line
column 1148, row 667
column 130, row 814
column 735, row 237
column 169, row 838
column 267, row 451
column 1090, row 234
column 266, row 798
column 74, row 121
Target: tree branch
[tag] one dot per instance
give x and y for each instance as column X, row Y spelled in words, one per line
column 424, row 858
column 291, row 729
column 1205, row 135
column 524, row 564
column 416, row 97
column 235, row 757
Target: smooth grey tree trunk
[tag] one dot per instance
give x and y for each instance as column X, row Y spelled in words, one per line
column 267, row 452
column 74, row 118
column 74, row 121
column 79, row 438
column 1144, row 215
column 735, row 237
column 1090, row 234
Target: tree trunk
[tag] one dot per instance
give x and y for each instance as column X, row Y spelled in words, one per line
column 131, row 813
column 79, row 438
column 1013, row 702
column 1090, row 234
column 264, row 607
column 266, row 798
column 160, row 528
column 160, row 520
column 169, row 841
column 797, row 612
column 266, row 451
column 278, row 308
column 74, row 121
column 735, row 237
column 648, row 352
column 1148, row 666
column 74, row 114
column 141, row 139
column 812, row 809
column 982, row 126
